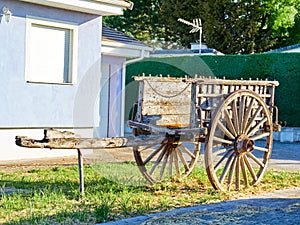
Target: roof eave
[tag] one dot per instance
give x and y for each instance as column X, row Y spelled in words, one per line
column 125, row 4
column 96, row 7
column 129, row 46
column 124, row 50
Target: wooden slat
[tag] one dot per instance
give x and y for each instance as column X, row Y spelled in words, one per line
column 168, row 98
column 233, row 82
column 159, row 78
column 164, row 109
column 179, row 120
column 149, row 98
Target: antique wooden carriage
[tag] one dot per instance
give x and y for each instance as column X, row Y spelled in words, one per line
column 235, row 119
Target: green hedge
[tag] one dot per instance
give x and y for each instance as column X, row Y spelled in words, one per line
column 283, row 67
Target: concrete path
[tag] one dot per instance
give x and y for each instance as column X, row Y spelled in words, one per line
column 285, row 156
column 279, row 207
column 258, row 210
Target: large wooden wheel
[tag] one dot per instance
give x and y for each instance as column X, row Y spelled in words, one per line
column 170, row 159
column 239, row 144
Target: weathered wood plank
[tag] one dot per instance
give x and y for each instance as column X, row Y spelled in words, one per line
column 207, row 80
column 159, row 78
column 52, row 133
column 169, row 98
column 166, row 89
column 87, row 143
column 153, row 100
column 174, row 120
column 166, row 110
column 55, row 139
column 231, row 82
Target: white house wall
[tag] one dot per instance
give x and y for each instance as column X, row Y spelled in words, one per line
column 115, row 104
column 47, row 105
column 102, row 128
column 26, row 106
column 110, row 97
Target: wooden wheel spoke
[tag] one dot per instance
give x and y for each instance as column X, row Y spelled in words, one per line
column 221, row 140
column 222, row 150
column 149, row 147
column 248, row 126
column 216, row 167
column 250, row 168
column 247, row 114
column 226, row 131
column 171, row 160
column 237, row 173
column 241, row 112
column 167, row 160
column 260, row 136
column 164, row 163
column 226, row 168
column 176, row 162
column 257, row 126
column 260, row 148
column 186, row 166
column 231, row 172
column 153, row 154
column 235, row 116
column 187, row 151
column 158, row 160
column 229, row 122
column 244, row 172
column 255, row 159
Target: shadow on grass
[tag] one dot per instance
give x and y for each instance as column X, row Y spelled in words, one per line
column 69, row 188
column 61, row 202
column 51, row 196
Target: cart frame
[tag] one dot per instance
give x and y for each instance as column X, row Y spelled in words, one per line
column 233, row 118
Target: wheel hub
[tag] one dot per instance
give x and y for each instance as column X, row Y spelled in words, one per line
column 173, row 139
column 243, row 144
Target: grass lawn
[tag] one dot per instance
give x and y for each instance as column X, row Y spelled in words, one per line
column 113, row 191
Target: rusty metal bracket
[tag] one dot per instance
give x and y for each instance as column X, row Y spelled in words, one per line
column 276, row 125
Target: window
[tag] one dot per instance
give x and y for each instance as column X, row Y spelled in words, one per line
column 51, row 52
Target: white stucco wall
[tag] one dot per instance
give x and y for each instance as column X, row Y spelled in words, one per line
column 24, row 106
column 110, row 97
column 29, row 105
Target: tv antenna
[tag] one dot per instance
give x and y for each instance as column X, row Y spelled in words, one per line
column 197, row 26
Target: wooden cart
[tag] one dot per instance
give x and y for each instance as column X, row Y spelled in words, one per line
column 173, row 116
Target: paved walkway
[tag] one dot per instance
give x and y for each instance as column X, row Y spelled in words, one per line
column 285, row 156
column 279, row 207
column 259, row 210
